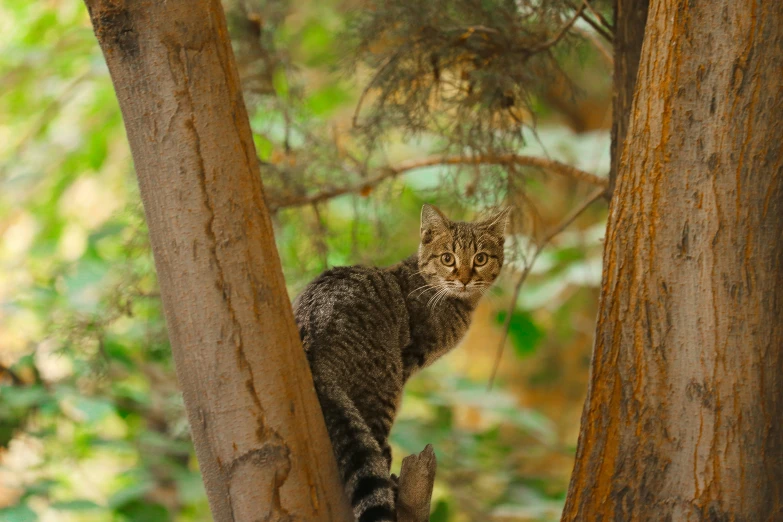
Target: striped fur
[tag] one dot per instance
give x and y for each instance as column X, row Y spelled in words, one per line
column 366, row 330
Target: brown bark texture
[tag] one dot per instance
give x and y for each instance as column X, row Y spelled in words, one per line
column 258, row 431
column 684, row 408
column 417, row 479
column 630, row 19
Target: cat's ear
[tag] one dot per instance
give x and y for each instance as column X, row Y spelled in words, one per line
column 432, row 221
column 498, row 223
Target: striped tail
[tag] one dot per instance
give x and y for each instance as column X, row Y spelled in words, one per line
column 362, row 464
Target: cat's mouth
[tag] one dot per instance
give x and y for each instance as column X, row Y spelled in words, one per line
column 463, row 291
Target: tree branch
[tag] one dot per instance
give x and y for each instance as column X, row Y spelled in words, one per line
column 570, row 218
column 417, row 478
column 390, row 172
column 603, row 29
column 256, row 424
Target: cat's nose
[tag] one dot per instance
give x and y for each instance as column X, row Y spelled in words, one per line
column 464, row 279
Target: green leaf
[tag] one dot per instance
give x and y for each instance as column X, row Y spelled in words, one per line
column 138, row 511
column 317, row 44
column 96, row 150
column 93, row 409
column 190, row 487
column 441, row 512
column 41, row 487
column 24, row 397
column 327, row 99
column 264, row 147
column 76, row 505
column 38, row 29
column 523, row 332
column 280, row 83
column 118, row 351
column 130, row 494
column 20, row 513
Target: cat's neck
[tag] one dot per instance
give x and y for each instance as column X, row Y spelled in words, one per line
column 437, row 321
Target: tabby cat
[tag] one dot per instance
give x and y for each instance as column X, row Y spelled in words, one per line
column 366, row 330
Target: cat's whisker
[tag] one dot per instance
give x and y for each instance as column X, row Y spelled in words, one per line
column 442, row 297
column 434, row 296
column 440, row 294
column 422, row 289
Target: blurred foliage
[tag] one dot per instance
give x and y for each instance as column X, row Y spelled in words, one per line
column 92, row 425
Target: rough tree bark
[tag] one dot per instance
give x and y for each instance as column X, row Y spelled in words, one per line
column 630, row 19
column 417, row 478
column 684, row 408
column 258, row 431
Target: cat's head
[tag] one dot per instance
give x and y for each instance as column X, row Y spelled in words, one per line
column 461, row 259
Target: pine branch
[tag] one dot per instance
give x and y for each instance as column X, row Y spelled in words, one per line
column 562, row 32
column 390, row 172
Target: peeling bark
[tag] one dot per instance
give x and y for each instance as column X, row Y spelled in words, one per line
column 683, row 415
column 257, row 428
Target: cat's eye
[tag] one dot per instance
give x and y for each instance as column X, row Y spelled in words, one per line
column 447, row 259
column 480, row 259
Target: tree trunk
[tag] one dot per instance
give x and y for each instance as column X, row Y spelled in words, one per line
column 258, row 431
column 630, row 20
column 683, row 415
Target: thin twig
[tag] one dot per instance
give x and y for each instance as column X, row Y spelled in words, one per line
column 598, row 15
column 561, row 33
column 359, row 188
column 598, row 28
column 605, row 53
column 570, row 218
column 391, row 172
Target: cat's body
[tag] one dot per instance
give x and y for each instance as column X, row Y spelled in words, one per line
column 366, row 330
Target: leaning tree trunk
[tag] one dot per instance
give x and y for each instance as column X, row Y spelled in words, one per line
column 630, row 19
column 259, row 435
column 683, row 415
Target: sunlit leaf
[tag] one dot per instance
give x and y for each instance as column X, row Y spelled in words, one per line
column 327, row 99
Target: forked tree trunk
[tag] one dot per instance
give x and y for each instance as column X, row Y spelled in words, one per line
column 630, row 19
column 256, row 424
column 683, row 415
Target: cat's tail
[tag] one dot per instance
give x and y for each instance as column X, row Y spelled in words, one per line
column 360, row 459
